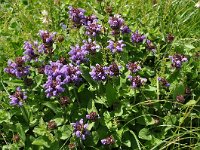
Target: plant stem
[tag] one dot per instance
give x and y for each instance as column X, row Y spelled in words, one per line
column 158, row 88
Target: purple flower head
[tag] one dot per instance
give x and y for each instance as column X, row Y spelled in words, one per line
column 150, row 46
column 164, row 82
column 59, row 75
column 91, row 46
column 98, row 73
column 89, row 19
column 108, row 141
column 137, row 81
column 17, row 68
column 32, row 50
column 78, row 55
column 53, row 69
column 72, row 74
column 46, row 36
column 116, row 46
column 92, row 116
column 53, row 86
column 80, row 129
column 93, row 28
column 177, row 60
column 133, row 67
column 125, row 29
column 116, row 22
column 18, row 97
column 77, row 15
column 113, row 69
column 136, row 37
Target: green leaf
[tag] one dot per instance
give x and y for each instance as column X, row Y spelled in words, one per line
column 119, row 111
column 38, row 80
column 21, row 132
column 41, row 141
column 95, row 137
column 66, row 131
column 170, row 119
column 91, row 106
column 111, row 94
column 190, row 103
column 145, row 134
column 145, row 120
column 53, row 106
column 4, row 116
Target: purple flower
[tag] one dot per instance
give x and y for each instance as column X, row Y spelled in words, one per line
column 93, row 28
column 116, row 46
column 92, row 116
column 137, row 81
column 78, row 55
column 80, row 129
column 108, row 141
column 98, row 73
column 164, row 82
column 17, row 68
column 72, row 74
column 59, row 75
column 113, row 69
column 46, row 36
column 125, row 29
column 177, row 60
column 90, row 46
column 48, row 40
column 18, row 97
column 32, row 50
column 89, row 19
column 53, row 86
column 116, row 22
column 150, row 46
column 133, row 67
column 77, row 16
column 53, row 69
column 136, row 37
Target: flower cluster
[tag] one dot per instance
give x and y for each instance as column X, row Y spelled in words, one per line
column 137, row 81
column 177, row 60
column 116, row 46
column 17, row 68
column 59, row 75
column 108, row 141
column 93, row 28
column 32, row 50
column 18, row 97
column 164, row 82
column 48, row 40
column 136, row 37
column 117, row 25
column 98, row 73
column 113, row 69
column 91, row 46
column 80, row 129
column 92, row 116
column 77, row 16
column 150, row 46
column 133, row 67
column 78, row 55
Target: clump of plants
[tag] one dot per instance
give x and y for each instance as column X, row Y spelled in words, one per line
column 100, row 83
